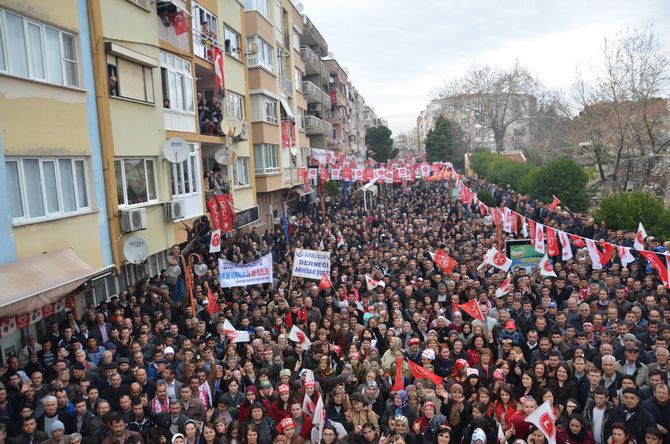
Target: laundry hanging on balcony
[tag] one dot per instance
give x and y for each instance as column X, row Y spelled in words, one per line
column 218, row 71
column 285, row 138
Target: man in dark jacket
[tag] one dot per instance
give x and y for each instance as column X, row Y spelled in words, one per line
column 630, row 413
column 659, row 406
column 29, row 433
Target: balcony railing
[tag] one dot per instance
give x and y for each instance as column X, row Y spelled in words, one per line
column 335, row 144
column 203, row 44
column 311, row 59
column 312, row 93
column 314, row 125
column 285, row 84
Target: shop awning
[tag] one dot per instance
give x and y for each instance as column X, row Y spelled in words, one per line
column 287, row 108
column 303, row 192
column 32, row 283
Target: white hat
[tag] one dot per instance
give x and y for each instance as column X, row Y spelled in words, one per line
column 177, row 435
column 478, row 435
column 168, row 350
column 55, row 425
column 429, row 354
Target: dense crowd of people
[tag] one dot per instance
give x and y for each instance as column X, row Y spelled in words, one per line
column 146, row 367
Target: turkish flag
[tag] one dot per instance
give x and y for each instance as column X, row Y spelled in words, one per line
column 444, row 261
column 472, row 309
column 179, row 22
column 421, row 373
column 543, row 418
column 212, row 304
column 218, row 71
column 398, row 383
column 577, row 240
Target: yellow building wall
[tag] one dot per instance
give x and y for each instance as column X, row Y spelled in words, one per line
column 78, row 232
column 61, row 13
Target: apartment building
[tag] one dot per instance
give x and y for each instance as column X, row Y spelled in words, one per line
column 276, row 73
column 54, row 233
column 469, row 110
column 159, row 94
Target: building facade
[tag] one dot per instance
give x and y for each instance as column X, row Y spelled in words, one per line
column 470, row 111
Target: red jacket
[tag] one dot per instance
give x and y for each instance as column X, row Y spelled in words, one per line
column 306, row 427
column 564, row 437
column 521, row 427
column 277, row 412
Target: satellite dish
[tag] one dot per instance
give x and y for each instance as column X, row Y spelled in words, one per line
column 176, row 150
column 231, row 126
column 331, row 80
column 135, row 249
column 224, row 156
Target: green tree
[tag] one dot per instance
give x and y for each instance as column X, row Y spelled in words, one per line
column 379, row 144
column 625, row 210
column 446, row 142
column 564, row 179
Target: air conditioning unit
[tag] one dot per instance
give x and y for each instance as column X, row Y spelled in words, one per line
column 175, row 209
column 134, row 220
column 313, row 107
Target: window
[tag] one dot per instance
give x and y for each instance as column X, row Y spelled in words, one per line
column 129, row 79
column 261, row 6
column 144, row 4
column 241, row 172
column 36, row 51
column 205, row 31
column 266, row 159
column 184, row 176
column 232, row 43
column 46, row 187
column 298, row 79
column 236, row 105
column 135, row 181
column 260, row 52
column 481, row 134
column 301, row 119
column 177, row 81
column 295, row 38
column 270, row 111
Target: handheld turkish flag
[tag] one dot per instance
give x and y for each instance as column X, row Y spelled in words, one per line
column 421, row 373
column 505, row 287
column 543, row 418
column 325, row 283
column 546, row 268
column 215, row 241
column 212, row 304
column 497, row 259
column 235, row 335
column 443, row 260
column 658, row 265
column 398, row 383
column 640, row 236
column 319, row 418
column 555, row 203
column 372, row 284
column 472, row 309
column 297, row 335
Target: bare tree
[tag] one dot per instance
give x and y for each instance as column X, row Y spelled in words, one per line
column 550, row 128
column 494, row 98
column 623, row 116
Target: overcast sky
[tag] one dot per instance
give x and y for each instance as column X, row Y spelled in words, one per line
column 399, row 51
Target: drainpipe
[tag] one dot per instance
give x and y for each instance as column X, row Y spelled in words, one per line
column 105, row 125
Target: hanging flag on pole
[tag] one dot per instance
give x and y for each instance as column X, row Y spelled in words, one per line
column 640, row 236
column 372, row 283
column 398, row 382
column 319, row 418
column 539, row 238
column 594, row 253
column 555, row 203
column 212, row 304
column 625, row 256
column 420, row 372
column 566, row 248
column 658, row 265
column 215, row 241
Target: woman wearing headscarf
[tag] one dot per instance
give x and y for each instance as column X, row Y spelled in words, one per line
column 457, row 409
column 371, row 393
column 388, row 358
column 399, row 406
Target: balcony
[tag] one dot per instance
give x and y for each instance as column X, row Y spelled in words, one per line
column 203, row 45
column 312, row 36
column 314, row 94
column 314, row 125
column 312, row 61
column 334, row 144
column 285, row 84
